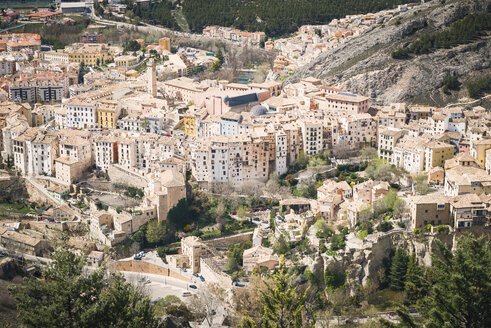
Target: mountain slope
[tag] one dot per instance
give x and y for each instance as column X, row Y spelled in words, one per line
column 364, row 65
column 276, row 17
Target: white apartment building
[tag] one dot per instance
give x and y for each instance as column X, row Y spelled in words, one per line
column 35, row 152
column 312, row 133
column 127, row 152
column 42, row 155
column 439, row 124
column 457, row 125
column 387, row 140
column 105, row 151
column 409, row 154
column 81, row 114
column 281, row 166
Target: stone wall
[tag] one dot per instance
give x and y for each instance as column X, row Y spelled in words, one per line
column 224, row 242
column 146, row 267
column 119, row 174
column 213, row 274
column 39, row 225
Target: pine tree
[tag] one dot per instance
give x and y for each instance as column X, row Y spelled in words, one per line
column 219, row 56
column 460, row 292
column 282, row 304
column 415, row 285
column 66, row 297
column 398, row 270
column 460, row 295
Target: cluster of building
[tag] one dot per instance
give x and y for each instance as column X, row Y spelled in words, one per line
column 235, row 35
column 312, row 40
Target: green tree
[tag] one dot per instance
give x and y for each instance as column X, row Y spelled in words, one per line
column 272, row 219
column 283, row 306
column 459, row 287
column 219, row 56
column 215, row 67
column 179, row 216
column 156, row 231
column 281, row 245
column 132, row 46
column 460, row 293
column 66, row 297
column 398, row 270
column 302, row 161
column 235, row 258
column 414, row 286
column 334, row 279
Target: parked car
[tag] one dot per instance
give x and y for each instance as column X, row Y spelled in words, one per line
column 196, row 275
column 193, row 286
column 255, row 219
column 186, row 294
column 202, row 278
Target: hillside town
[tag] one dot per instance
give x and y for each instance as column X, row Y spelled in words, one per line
column 182, row 183
column 312, row 40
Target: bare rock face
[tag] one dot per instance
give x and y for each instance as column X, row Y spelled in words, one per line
column 364, row 65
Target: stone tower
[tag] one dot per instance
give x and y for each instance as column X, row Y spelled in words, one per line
column 152, row 78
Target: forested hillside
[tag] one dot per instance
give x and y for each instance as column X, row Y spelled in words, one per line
column 159, row 13
column 462, row 31
column 275, row 17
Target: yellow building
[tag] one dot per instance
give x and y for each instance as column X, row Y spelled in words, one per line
column 37, row 119
column 478, row 150
column 107, row 114
column 193, row 118
column 436, row 153
column 189, row 124
column 126, row 61
column 165, row 43
column 89, row 54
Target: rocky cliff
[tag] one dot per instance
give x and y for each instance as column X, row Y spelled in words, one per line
column 364, row 65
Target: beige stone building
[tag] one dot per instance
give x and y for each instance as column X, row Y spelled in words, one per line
column 23, row 243
column 431, row 209
column 259, row 256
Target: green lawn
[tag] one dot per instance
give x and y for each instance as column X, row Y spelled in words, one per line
column 6, row 208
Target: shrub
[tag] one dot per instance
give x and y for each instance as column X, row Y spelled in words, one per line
column 442, row 229
column 334, row 279
column 417, row 231
column 401, row 224
column 384, row 226
column 338, row 242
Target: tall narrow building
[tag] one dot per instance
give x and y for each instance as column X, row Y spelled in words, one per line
column 152, row 78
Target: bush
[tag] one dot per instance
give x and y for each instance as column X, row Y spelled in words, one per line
column 162, row 252
column 417, row 231
column 450, row 83
column 442, row 229
column 401, row 224
column 384, row 226
column 334, row 279
column 476, row 89
column 338, row 242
